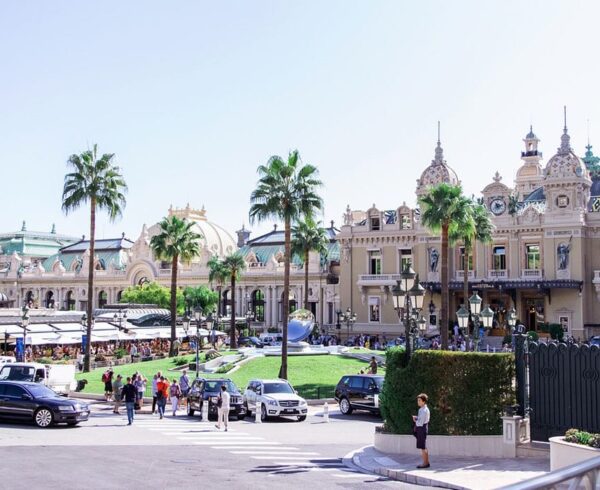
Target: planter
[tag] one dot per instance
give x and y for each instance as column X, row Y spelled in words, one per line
column 564, row 453
column 467, row 446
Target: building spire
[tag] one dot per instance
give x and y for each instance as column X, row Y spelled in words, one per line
column 439, row 152
column 438, row 140
column 565, row 111
column 565, row 139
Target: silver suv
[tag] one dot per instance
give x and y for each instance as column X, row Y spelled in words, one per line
column 277, row 398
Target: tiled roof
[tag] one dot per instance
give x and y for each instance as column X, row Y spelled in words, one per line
column 105, row 244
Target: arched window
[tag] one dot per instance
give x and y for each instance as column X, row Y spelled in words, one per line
column 49, row 303
column 70, row 301
column 258, row 305
column 29, row 298
column 226, row 303
column 119, row 294
column 102, row 299
column 293, row 305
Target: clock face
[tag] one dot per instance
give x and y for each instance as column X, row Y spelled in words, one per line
column 497, row 206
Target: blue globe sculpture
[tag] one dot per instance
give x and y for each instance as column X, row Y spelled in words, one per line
column 300, row 325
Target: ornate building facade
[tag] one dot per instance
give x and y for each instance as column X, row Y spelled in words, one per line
column 544, row 259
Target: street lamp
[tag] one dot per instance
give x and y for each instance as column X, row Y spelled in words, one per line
column 119, row 317
column 24, row 324
column 198, row 317
column 210, row 325
column 408, row 303
column 512, row 318
column 249, row 319
column 484, row 317
column 348, row 317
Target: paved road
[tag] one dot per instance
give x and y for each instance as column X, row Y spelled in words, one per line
column 105, row 453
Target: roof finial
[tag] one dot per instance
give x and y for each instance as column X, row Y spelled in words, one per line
column 439, row 152
column 565, row 139
column 438, row 141
column 24, row 227
column 565, row 110
column 588, row 131
column 53, row 231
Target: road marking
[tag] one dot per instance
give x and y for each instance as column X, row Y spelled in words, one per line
column 207, row 442
column 265, row 448
column 298, row 453
column 299, row 458
column 223, row 435
column 350, row 475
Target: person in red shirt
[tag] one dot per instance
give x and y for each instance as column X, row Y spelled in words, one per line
column 162, row 392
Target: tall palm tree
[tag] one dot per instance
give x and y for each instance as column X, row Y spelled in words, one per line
column 99, row 182
column 476, row 226
column 175, row 241
column 234, row 264
column 442, row 206
column 308, row 236
column 286, row 190
column 217, row 274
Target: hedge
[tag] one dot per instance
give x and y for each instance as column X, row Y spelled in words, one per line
column 467, row 391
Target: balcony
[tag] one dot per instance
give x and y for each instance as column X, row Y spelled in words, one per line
column 531, row 274
column 460, row 275
column 498, row 274
column 377, row 279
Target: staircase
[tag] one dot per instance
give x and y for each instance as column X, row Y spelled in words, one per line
column 534, row 449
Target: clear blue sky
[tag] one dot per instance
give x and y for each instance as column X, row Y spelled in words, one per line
column 192, row 96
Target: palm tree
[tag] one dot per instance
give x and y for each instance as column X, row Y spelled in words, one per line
column 308, row 236
column 442, row 206
column 176, row 240
column 233, row 264
column 99, row 182
column 475, row 227
column 218, row 274
column 286, row 190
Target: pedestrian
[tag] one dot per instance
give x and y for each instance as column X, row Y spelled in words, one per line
column 421, row 421
column 155, row 380
column 140, row 384
column 174, row 393
column 373, row 365
column 129, row 393
column 107, row 379
column 162, row 392
column 117, row 389
column 184, row 384
column 223, row 407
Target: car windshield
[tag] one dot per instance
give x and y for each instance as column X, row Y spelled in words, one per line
column 216, row 386
column 278, row 388
column 17, row 373
column 40, row 391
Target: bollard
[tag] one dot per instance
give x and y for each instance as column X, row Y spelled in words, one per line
column 494, row 350
column 257, row 419
column 376, row 400
column 204, row 411
column 488, row 347
column 325, row 412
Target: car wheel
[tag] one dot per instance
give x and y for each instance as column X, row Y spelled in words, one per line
column 43, row 418
column 345, row 406
column 190, row 410
column 248, row 412
column 263, row 413
column 301, row 418
column 241, row 416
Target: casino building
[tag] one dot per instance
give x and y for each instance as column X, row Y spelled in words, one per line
column 544, row 259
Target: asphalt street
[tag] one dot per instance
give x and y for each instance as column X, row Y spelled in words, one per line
column 185, row 452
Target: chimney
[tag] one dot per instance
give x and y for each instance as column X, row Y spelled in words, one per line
column 243, row 236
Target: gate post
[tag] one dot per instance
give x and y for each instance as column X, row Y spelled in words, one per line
column 520, row 369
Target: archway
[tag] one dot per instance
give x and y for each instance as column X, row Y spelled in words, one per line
column 102, row 299
column 29, row 298
column 257, row 305
column 49, row 302
column 70, row 301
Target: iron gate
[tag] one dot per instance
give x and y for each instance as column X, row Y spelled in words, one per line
column 564, row 388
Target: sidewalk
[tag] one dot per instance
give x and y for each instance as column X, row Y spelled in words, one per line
column 447, row 472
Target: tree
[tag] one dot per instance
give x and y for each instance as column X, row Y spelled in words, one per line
column 476, row 226
column 152, row 293
column 175, row 241
column 234, row 264
column 443, row 205
column 308, row 236
column 218, row 274
column 97, row 181
column 201, row 297
column 286, row 190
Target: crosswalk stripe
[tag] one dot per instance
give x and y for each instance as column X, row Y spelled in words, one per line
column 258, row 451
column 349, row 475
column 266, row 448
column 232, row 443
column 223, row 435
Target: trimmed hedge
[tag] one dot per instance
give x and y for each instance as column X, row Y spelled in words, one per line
column 467, row 391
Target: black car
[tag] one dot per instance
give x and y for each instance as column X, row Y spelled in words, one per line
column 358, row 392
column 28, row 401
column 207, row 391
column 250, row 342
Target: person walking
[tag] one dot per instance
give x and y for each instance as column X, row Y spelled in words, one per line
column 223, row 407
column 162, row 392
column 107, row 379
column 140, row 384
column 117, row 388
column 174, row 393
column 373, row 365
column 155, row 380
column 184, row 385
column 421, row 421
column 129, row 393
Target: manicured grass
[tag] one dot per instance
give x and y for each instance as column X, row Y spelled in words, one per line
column 312, row 376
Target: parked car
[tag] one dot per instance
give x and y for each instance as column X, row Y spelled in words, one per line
column 35, row 402
column 595, row 340
column 277, row 398
column 250, row 342
column 207, row 391
column 57, row 377
column 357, row 392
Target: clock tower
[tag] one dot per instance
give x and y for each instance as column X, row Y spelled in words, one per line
column 496, row 197
column 531, row 173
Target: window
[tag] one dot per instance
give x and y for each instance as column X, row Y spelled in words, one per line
column 499, row 258
column 405, row 258
column 462, row 260
column 374, row 313
column 405, row 222
column 258, row 305
column 356, row 382
column 375, row 224
column 532, row 257
column 375, row 262
column 13, row 391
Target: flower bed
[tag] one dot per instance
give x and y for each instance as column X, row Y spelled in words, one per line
column 576, row 446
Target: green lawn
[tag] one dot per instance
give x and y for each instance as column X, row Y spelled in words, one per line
column 312, row 376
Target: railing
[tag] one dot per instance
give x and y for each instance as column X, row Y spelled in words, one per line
column 531, row 273
column 581, row 475
column 498, row 273
column 460, row 275
column 376, row 279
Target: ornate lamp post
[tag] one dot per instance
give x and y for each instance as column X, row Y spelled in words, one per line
column 408, row 303
column 24, row 324
column 210, row 325
column 119, row 317
column 348, row 317
column 198, row 318
column 84, row 336
column 486, row 317
column 249, row 319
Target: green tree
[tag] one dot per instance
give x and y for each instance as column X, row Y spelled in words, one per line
column 308, row 236
column 175, row 241
column 97, row 181
column 234, row 264
column 202, row 297
column 152, row 293
column 443, row 205
column 476, row 226
column 286, row 190
column 217, row 274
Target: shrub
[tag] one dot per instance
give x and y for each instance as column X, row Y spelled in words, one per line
column 584, row 438
column 225, row 368
column 467, row 391
column 180, row 361
column 120, row 353
column 533, row 336
column 556, row 331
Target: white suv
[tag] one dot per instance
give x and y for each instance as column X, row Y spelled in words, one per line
column 277, row 398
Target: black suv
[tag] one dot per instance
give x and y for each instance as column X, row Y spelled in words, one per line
column 207, row 390
column 358, row 392
column 34, row 402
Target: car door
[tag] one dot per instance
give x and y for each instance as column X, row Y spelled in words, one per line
column 355, row 389
column 251, row 396
column 370, row 389
column 14, row 403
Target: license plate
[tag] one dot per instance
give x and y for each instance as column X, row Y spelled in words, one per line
column 289, row 410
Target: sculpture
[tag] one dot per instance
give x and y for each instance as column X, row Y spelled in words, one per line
column 562, row 252
column 434, row 257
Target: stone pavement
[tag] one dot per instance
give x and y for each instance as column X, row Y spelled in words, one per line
column 447, row 472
